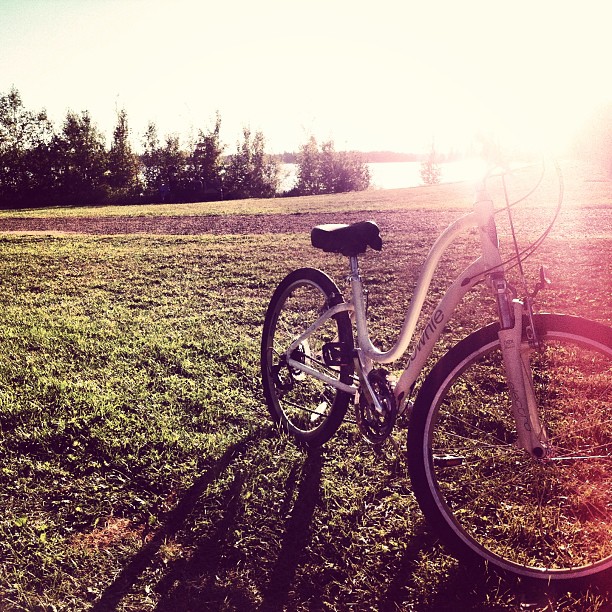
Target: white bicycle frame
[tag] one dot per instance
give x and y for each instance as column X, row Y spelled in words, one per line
column 531, row 434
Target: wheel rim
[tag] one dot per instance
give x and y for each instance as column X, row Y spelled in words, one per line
column 301, row 400
column 526, row 515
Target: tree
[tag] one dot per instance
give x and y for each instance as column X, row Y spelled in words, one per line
column 430, row 168
column 173, row 169
column 342, row 171
column 22, row 133
column 309, row 179
column 151, row 160
column 80, row 159
column 122, row 172
column 164, row 167
column 206, row 164
column 42, row 163
column 356, row 173
column 329, row 171
column 250, row 172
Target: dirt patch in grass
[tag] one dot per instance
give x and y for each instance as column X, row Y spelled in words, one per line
column 113, row 532
column 197, row 224
column 572, row 222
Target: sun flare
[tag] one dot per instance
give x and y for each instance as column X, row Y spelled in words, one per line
column 395, row 76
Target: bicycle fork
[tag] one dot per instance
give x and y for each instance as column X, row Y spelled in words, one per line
column 532, row 435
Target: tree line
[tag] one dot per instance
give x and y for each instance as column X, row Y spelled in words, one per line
column 42, row 165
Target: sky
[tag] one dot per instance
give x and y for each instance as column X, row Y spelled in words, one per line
column 393, row 75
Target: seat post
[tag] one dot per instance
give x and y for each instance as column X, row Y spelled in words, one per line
column 354, row 263
column 358, row 296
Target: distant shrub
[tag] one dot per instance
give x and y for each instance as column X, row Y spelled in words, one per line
column 431, row 173
column 250, row 172
column 325, row 170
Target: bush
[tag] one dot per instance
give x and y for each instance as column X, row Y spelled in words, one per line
column 329, row 171
column 430, row 169
column 250, row 172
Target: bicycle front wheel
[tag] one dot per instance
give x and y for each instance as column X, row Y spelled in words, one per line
column 545, row 519
column 309, row 408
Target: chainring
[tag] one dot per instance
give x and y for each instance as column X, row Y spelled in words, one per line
column 375, row 427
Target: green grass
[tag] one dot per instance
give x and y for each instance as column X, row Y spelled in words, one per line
column 139, row 470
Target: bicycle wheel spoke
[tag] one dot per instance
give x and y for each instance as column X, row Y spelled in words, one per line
column 473, row 429
column 308, row 407
column 537, row 517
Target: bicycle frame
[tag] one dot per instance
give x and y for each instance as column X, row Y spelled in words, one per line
column 488, row 266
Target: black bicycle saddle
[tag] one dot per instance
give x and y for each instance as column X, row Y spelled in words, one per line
column 350, row 240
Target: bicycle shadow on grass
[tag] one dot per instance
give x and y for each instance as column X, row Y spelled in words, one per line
column 473, row 587
column 178, row 518
column 191, row 583
column 463, row 588
column 298, row 530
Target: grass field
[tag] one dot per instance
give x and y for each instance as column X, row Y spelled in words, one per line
column 139, row 470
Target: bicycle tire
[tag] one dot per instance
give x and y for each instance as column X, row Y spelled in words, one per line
column 302, row 405
column 490, row 502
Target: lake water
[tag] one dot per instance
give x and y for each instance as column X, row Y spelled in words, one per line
column 396, row 175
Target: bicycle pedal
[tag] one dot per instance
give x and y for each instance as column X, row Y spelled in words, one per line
column 335, row 354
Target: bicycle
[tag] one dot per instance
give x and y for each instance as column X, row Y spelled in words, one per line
column 510, row 434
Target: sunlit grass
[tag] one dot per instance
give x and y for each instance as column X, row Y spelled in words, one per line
column 138, row 465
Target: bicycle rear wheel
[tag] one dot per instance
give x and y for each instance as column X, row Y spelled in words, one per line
column 306, row 407
column 547, row 519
